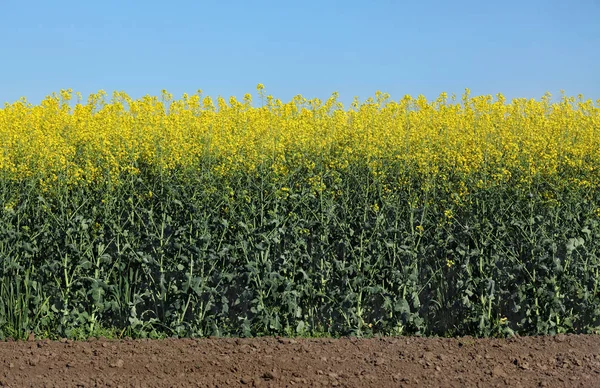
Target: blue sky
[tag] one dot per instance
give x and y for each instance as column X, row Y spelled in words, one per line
column 519, row 48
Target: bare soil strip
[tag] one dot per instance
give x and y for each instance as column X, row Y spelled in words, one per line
column 560, row 361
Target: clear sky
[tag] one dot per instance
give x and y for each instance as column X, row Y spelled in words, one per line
column 519, row 48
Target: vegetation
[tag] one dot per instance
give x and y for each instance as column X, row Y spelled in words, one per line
column 163, row 217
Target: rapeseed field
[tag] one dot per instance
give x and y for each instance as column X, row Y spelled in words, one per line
column 158, row 216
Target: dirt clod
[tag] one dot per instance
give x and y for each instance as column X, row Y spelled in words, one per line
column 270, row 375
column 499, row 372
column 246, row 380
column 117, row 364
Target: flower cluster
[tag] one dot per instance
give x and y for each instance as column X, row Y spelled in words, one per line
column 483, row 138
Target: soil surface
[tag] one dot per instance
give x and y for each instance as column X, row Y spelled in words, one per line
column 570, row 361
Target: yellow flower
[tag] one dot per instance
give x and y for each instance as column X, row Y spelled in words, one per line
column 475, row 139
column 9, row 206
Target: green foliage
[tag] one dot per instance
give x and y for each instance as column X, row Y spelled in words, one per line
column 194, row 254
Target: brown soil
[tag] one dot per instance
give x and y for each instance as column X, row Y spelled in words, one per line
column 572, row 361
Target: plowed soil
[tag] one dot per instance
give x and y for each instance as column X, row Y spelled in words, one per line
column 570, row 361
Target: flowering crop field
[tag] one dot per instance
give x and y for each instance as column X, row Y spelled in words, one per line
column 159, row 216
column 479, row 139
